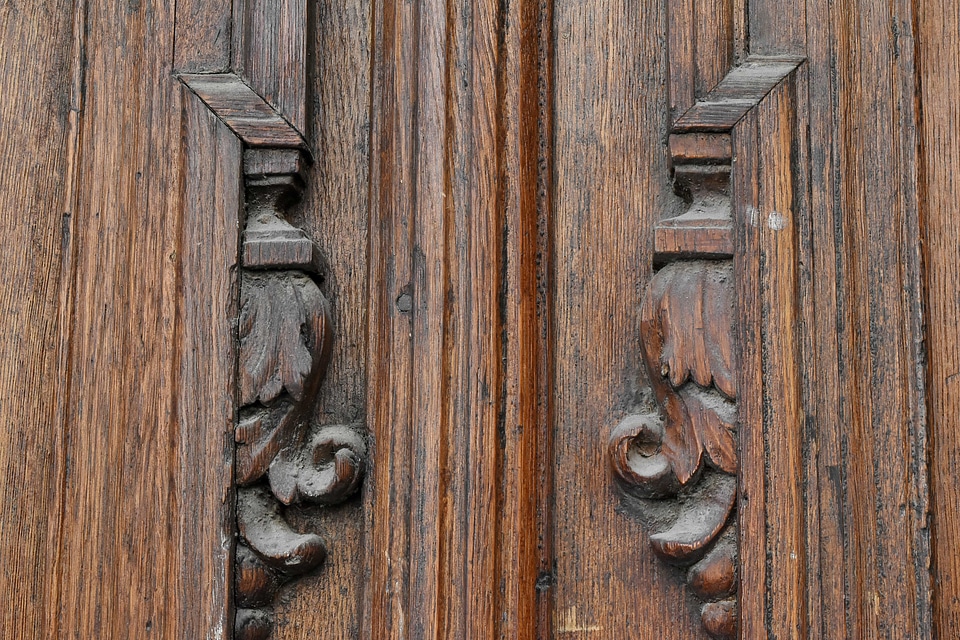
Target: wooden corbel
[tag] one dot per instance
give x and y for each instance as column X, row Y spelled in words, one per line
column 702, row 321
column 284, row 339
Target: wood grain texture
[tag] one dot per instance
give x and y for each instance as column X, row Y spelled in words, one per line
column 147, row 491
column 40, row 107
column 334, row 214
column 245, row 111
column 123, row 429
column 204, row 32
column 766, row 208
column 458, row 372
column 705, row 38
column 207, row 389
column 939, row 63
column 612, row 185
column 866, row 466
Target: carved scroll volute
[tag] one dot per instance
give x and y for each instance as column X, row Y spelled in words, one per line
column 681, row 458
column 285, row 339
column 683, row 454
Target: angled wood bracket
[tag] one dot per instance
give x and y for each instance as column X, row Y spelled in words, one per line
column 702, row 322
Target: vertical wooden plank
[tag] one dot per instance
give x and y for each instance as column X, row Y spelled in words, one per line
column 870, row 418
column 713, row 37
column 150, row 411
column 939, row 64
column 204, row 32
column 778, row 28
column 457, row 243
column 612, row 185
column 40, row 102
column 829, row 414
column 783, row 419
column 681, row 49
column 526, row 560
column 335, row 215
column 122, row 427
column 745, row 180
column 206, row 394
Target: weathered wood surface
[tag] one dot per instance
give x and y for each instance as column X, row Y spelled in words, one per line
column 40, row 113
column 334, row 213
column 866, row 443
column 114, row 371
column 939, row 62
column 612, row 184
column 207, row 304
column 458, row 371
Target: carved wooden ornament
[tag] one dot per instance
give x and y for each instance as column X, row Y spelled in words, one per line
column 284, row 336
column 686, row 452
column 682, row 459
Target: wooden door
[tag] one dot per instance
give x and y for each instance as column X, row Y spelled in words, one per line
column 437, row 319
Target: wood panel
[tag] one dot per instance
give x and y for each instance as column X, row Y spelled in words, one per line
column 123, row 430
column 867, row 503
column 150, row 420
column 270, row 49
column 206, row 393
column 457, row 365
column 612, row 184
column 769, row 202
column 40, row 106
column 939, row 62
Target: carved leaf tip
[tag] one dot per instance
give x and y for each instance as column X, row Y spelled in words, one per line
column 268, row 534
column 284, row 336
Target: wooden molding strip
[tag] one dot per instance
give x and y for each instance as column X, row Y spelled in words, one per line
column 283, row 328
column 242, row 109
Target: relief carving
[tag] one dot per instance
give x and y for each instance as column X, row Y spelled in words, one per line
column 285, row 338
column 681, row 458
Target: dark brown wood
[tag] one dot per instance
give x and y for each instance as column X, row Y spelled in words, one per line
column 528, row 189
column 247, row 113
column 939, row 63
column 611, row 187
column 772, row 550
column 208, row 294
column 334, row 214
column 40, row 110
column 865, row 456
column 284, row 346
column 202, row 36
column 270, row 39
column 705, row 37
column 459, row 367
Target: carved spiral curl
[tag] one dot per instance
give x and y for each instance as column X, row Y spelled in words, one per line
column 686, row 452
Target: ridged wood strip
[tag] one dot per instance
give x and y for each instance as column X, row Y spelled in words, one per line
column 207, row 389
column 868, row 421
column 458, row 363
column 939, row 63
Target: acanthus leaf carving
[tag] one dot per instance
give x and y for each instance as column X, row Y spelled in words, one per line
column 285, row 338
column 683, row 454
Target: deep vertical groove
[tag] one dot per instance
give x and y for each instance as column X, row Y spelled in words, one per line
column 66, row 302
